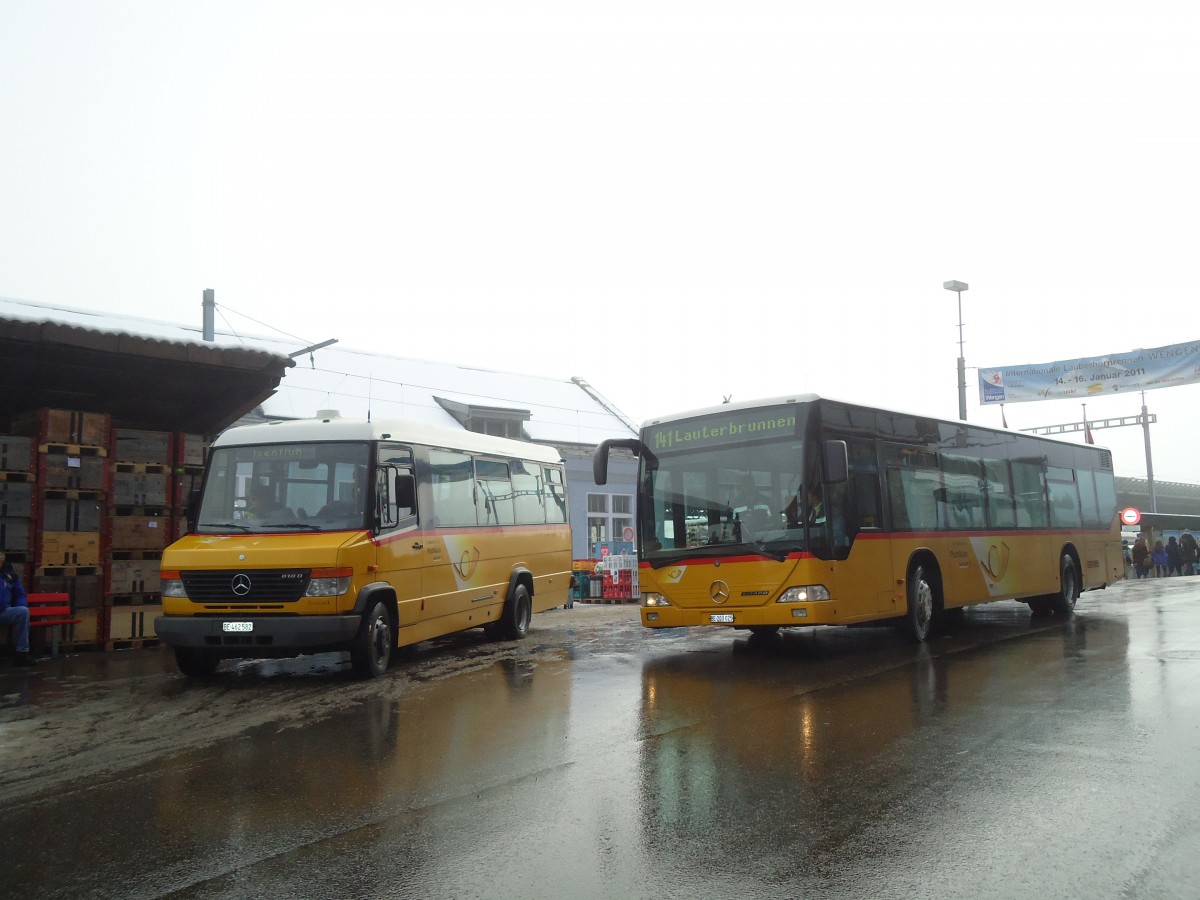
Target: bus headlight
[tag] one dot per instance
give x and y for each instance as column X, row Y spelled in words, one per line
column 171, row 585
column 804, row 593
column 651, row 599
column 328, row 582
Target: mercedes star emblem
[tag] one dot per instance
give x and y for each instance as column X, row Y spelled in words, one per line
column 241, row 584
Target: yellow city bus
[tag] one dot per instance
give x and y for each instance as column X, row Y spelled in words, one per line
column 803, row 510
column 340, row 534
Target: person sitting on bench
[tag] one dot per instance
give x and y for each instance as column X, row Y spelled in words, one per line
column 13, row 609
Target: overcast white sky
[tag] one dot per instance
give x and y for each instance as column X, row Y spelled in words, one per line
column 677, row 201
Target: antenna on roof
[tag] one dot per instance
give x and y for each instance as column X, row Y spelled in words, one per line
column 370, row 384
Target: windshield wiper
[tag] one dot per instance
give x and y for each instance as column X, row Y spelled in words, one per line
column 669, row 557
column 225, row 525
column 307, row 525
column 779, row 555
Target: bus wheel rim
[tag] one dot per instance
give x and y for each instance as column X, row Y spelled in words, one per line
column 381, row 635
column 924, row 604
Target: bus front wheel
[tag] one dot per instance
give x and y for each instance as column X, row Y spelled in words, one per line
column 372, row 648
column 920, row 604
column 764, row 633
column 195, row 663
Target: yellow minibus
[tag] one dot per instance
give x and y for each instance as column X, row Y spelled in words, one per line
column 341, row 534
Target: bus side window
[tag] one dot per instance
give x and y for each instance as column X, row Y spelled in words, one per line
column 1029, row 485
column 556, row 495
column 1001, row 503
column 451, row 483
column 395, row 496
column 527, row 499
column 494, row 497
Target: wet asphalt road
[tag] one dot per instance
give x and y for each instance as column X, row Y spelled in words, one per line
column 1008, row 757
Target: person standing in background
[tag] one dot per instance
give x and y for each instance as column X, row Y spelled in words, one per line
column 1141, row 557
column 1187, row 544
column 1174, row 557
column 1158, row 556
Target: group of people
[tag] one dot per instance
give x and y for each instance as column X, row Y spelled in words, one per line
column 1175, row 557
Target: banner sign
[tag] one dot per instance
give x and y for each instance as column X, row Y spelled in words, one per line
column 1137, row 370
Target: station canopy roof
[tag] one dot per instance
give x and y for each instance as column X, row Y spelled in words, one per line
column 71, row 359
column 163, row 376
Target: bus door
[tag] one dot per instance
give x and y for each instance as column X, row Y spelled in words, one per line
column 402, row 553
column 912, row 486
column 961, row 517
column 866, row 573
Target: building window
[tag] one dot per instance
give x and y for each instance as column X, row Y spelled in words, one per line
column 494, row 420
column 496, row 427
column 608, row 517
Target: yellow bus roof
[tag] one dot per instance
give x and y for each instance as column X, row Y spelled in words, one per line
column 812, row 398
column 335, row 428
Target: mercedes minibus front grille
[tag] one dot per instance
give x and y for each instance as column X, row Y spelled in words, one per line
column 246, row 586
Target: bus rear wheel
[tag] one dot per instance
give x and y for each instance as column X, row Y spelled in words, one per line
column 196, row 663
column 513, row 623
column 919, row 619
column 1063, row 602
column 372, row 648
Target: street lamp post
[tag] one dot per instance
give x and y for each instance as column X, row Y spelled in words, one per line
column 958, row 287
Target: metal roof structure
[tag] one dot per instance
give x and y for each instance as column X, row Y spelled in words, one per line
column 169, row 366
column 1170, row 497
column 144, row 378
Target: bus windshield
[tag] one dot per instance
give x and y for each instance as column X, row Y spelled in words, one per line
column 742, row 485
column 285, row 487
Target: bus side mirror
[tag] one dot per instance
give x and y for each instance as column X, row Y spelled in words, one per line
column 192, row 511
column 837, row 462
column 600, row 457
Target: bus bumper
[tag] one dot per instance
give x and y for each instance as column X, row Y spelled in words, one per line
column 257, row 635
column 778, row 615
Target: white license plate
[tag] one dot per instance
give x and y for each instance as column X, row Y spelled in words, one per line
column 237, row 626
column 721, row 618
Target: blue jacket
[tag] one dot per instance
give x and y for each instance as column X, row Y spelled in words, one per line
column 11, row 591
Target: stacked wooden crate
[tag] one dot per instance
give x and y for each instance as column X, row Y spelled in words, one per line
column 187, row 473
column 87, row 509
column 70, row 506
column 141, row 527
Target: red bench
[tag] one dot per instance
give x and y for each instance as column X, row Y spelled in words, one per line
column 50, row 611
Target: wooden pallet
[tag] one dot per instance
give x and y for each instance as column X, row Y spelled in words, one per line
column 73, row 449
column 57, row 493
column 67, row 571
column 136, row 598
column 142, row 643
column 130, row 468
